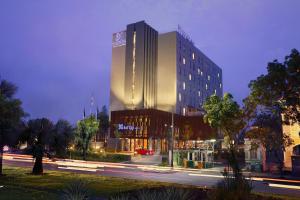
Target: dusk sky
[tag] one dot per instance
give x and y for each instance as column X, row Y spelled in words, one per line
column 58, row 52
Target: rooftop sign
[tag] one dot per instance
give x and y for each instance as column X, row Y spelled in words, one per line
column 119, row 39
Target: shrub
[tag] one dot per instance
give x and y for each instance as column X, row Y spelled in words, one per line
column 77, row 190
column 232, row 188
column 164, row 193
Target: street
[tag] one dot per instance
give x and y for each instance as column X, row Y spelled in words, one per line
column 195, row 177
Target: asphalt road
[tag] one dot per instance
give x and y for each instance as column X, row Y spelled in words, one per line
column 195, row 177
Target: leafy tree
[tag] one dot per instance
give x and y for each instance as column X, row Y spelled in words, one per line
column 279, row 92
column 11, row 114
column 226, row 115
column 280, row 87
column 267, row 130
column 117, row 134
column 86, row 130
column 37, row 134
column 62, row 137
column 103, row 121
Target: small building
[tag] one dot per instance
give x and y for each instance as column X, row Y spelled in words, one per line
column 294, row 150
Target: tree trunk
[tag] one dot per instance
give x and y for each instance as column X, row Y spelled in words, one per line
column 38, row 165
column 1, row 157
column 116, row 144
column 85, row 149
column 280, row 162
column 84, row 153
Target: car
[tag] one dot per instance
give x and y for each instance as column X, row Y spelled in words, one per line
column 144, row 152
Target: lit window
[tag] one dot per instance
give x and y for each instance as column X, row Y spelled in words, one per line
column 215, row 91
column 190, row 77
column 183, row 111
column 220, row 85
column 201, row 73
column 179, row 96
column 183, row 85
column 208, row 77
column 206, row 86
column 183, row 61
column 198, row 71
column 218, row 75
column 199, row 93
column 193, row 56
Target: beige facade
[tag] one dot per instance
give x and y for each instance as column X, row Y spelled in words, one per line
column 117, row 80
column 166, row 72
column 294, row 132
column 160, row 71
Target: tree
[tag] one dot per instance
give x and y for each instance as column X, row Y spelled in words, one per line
column 267, row 131
column 86, row 130
column 103, row 121
column 279, row 92
column 117, row 134
column 226, row 115
column 280, row 87
column 37, row 134
column 63, row 135
column 11, row 114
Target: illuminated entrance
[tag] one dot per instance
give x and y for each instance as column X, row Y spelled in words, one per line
column 150, row 129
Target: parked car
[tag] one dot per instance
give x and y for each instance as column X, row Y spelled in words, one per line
column 144, row 152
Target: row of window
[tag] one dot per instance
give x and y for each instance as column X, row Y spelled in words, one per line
column 199, row 94
column 206, row 85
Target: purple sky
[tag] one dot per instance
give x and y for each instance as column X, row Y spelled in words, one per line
column 58, row 52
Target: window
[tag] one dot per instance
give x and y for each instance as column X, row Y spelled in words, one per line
column 253, row 154
column 199, row 93
column 218, row 75
column 206, row 86
column 198, row 71
column 183, row 60
column 220, row 85
column 201, row 73
column 179, row 96
column 215, row 91
column 183, row 111
column 208, row 77
column 183, row 85
column 190, row 77
column 193, row 56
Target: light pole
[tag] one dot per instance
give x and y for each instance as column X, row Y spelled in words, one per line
column 171, row 140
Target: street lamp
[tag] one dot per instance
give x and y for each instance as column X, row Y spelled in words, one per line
column 71, row 149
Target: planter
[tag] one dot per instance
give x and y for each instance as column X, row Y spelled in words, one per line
column 200, row 165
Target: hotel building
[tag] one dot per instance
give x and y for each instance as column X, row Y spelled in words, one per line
column 158, row 80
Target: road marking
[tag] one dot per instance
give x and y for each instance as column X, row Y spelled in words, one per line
column 207, row 175
column 284, row 186
column 80, row 169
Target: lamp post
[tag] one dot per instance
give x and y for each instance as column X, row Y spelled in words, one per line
column 171, row 141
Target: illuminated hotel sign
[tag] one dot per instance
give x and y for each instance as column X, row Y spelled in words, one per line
column 126, row 127
column 119, row 39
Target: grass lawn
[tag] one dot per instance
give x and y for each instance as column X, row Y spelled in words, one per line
column 19, row 184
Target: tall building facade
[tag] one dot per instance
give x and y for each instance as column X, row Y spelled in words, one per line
column 161, row 71
column 134, row 68
column 186, row 77
column 159, row 81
